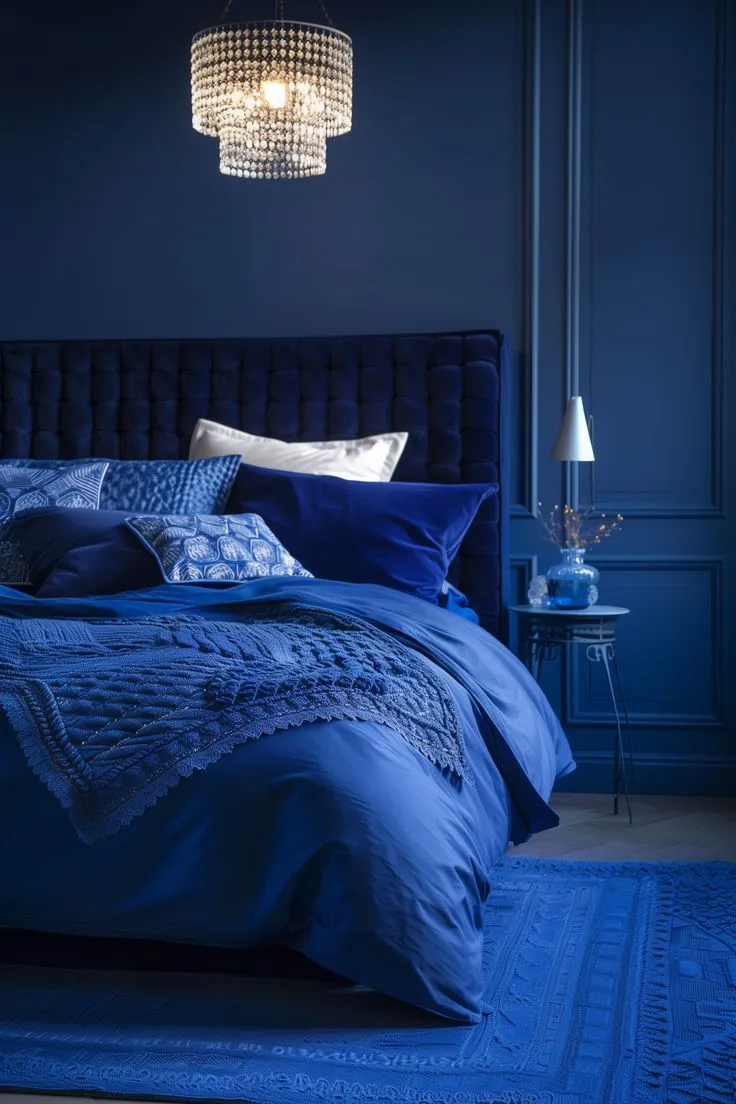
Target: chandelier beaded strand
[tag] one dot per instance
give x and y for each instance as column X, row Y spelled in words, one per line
column 272, row 93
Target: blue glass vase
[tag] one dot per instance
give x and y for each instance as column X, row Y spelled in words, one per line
column 571, row 582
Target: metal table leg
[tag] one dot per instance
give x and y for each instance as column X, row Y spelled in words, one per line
column 527, row 649
column 543, row 649
column 540, row 658
column 627, row 722
column 605, row 653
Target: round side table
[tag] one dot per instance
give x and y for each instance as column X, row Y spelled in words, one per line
column 544, row 631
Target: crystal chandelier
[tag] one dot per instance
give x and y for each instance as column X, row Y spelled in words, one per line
column 272, row 93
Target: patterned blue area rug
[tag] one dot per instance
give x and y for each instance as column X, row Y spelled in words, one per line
column 607, row 983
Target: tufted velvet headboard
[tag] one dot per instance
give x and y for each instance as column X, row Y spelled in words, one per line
column 140, row 400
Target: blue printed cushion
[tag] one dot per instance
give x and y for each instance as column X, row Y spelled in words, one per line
column 21, row 489
column 170, row 486
column 160, row 486
column 214, row 549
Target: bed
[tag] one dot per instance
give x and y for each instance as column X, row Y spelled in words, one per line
column 146, row 790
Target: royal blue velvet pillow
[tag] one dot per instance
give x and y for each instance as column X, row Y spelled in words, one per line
column 73, row 553
column 401, row 535
column 160, row 486
column 214, row 549
column 21, row 489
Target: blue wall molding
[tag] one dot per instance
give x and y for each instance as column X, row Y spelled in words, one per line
column 576, row 714
column 577, row 239
column 523, row 569
column 528, row 426
column 573, row 222
column 720, row 191
column 573, row 228
column 655, row 773
column 681, row 762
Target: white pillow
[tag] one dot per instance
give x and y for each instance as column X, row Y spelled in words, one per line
column 367, row 459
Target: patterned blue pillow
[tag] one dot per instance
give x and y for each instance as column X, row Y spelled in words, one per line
column 160, row 486
column 21, row 489
column 170, row 486
column 222, row 548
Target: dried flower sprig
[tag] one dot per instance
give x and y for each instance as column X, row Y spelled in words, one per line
column 570, row 528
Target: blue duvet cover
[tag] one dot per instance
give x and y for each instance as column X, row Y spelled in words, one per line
column 366, row 842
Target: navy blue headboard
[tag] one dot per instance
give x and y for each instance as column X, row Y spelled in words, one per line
column 140, row 400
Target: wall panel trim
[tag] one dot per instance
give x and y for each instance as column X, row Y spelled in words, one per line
column 654, row 773
column 573, row 222
column 523, row 568
column 720, row 191
column 531, row 235
column 715, row 566
column 660, row 759
column 614, row 501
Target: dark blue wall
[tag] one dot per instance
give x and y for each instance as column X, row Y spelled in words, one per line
column 562, row 170
column 119, row 224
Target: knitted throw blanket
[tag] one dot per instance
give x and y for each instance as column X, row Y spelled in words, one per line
column 111, row 714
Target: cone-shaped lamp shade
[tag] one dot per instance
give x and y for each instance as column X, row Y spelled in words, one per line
column 573, row 441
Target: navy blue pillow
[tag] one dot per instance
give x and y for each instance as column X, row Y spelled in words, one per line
column 401, row 535
column 72, row 553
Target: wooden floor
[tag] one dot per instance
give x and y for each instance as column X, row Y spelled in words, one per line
column 688, row 829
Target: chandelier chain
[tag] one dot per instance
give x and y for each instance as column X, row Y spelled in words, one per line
column 279, row 11
column 325, row 13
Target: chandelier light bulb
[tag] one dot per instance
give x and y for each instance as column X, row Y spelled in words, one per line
column 274, row 93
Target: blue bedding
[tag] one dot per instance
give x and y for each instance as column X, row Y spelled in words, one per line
column 342, row 839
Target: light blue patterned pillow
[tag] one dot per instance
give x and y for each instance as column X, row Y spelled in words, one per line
column 223, row 548
column 160, row 486
column 24, row 489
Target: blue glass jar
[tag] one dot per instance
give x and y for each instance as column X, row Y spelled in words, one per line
column 571, row 582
